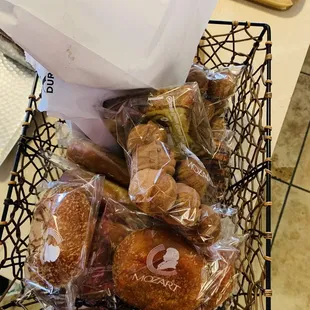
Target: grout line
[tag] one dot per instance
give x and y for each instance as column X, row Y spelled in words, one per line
column 290, row 185
column 306, row 73
column 293, row 185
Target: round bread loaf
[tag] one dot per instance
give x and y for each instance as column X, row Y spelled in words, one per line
column 153, row 191
column 60, row 236
column 186, row 210
column 155, row 155
column 154, row 269
column 208, row 230
column 192, row 173
column 144, row 134
column 221, row 85
column 198, row 74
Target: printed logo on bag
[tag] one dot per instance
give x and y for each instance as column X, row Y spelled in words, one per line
column 167, row 267
column 51, row 252
column 48, row 83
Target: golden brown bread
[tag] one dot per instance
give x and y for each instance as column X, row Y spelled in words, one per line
column 154, row 269
column 155, row 155
column 153, row 191
column 192, row 173
column 144, row 134
column 111, row 190
column 60, row 236
column 208, row 231
column 97, row 160
column 186, row 210
column 221, row 85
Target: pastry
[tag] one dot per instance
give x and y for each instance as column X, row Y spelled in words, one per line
column 153, row 191
column 197, row 74
column 192, row 173
column 60, row 236
column 208, row 230
column 144, row 134
column 97, row 160
column 221, row 85
column 186, row 210
column 154, row 269
column 181, row 112
column 111, row 190
column 155, row 155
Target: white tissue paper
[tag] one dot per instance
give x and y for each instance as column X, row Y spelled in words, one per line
column 88, row 51
column 112, row 44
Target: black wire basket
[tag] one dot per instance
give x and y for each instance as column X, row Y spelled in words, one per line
column 222, row 44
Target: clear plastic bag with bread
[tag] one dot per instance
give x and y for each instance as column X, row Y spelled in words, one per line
column 93, row 157
column 154, row 267
column 162, row 133
column 62, row 228
column 71, row 172
column 217, row 88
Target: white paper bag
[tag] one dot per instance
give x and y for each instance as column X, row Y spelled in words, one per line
column 112, row 44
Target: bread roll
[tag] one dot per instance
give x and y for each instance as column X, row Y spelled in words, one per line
column 221, row 85
column 197, row 74
column 97, row 160
column 60, row 236
column 111, row 190
column 145, row 134
column 155, row 155
column 208, row 230
column 192, row 173
column 155, row 269
column 153, row 191
column 186, row 210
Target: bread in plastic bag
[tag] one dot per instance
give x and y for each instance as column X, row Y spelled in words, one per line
column 60, row 237
column 157, row 130
column 96, row 159
column 218, row 85
column 74, row 173
column 153, row 266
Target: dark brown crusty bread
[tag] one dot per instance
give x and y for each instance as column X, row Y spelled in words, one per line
column 60, row 236
column 98, row 160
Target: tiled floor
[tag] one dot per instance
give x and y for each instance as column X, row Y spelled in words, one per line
column 291, row 202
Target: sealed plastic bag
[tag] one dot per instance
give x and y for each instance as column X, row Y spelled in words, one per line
column 97, row 159
column 216, row 86
column 74, row 173
column 160, row 132
column 154, row 267
column 60, row 238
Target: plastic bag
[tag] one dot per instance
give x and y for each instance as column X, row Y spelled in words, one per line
column 154, row 267
column 158, row 131
column 74, row 173
column 96, row 159
column 216, row 86
column 60, row 238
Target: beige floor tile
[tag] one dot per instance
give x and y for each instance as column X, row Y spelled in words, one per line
column 291, row 253
column 293, row 130
column 306, row 66
column 302, row 177
column 278, row 194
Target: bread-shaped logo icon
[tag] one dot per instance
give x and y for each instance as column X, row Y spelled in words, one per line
column 169, row 261
column 51, row 253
